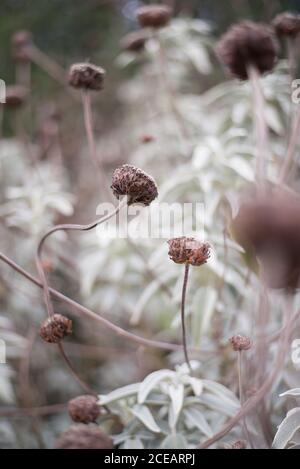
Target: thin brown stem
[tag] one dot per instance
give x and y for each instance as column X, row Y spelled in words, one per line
column 43, row 276
column 294, row 138
column 261, row 128
column 82, row 310
column 241, row 395
column 184, row 287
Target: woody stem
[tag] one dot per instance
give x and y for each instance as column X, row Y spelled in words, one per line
column 184, row 287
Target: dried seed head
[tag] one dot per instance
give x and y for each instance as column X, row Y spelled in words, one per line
column 21, row 42
column 135, row 41
column 154, row 16
column 84, row 437
column 138, row 186
column 240, row 342
column 86, row 76
column 16, row 96
column 248, row 43
column 55, row 328
column 188, row 251
column 287, row 24
column 84, row 409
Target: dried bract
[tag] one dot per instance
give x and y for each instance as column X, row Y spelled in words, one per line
column 86, row 76
column 138, row 186
column 84, row 409
column 55, row 328
column 191, row 251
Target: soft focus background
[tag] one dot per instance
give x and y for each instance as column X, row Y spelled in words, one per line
column 201, row 152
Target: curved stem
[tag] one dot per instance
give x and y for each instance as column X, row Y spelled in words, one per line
column 82, row 310
column 43, row 276
column 185, row 281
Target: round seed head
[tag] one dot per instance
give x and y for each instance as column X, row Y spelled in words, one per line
column 86, row 76
column 84, row 437
column 55, row 328
column 154, row 16
column 191, row 251
column 287, row 25
column 248, row 43
column 240, row 342
column 138, row 186
column 84, row 409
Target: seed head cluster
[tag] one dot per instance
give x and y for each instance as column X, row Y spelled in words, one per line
column 138, row 186
column 55, row 329
column 191, row 251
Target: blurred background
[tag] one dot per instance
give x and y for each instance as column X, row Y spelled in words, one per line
column 195, row 141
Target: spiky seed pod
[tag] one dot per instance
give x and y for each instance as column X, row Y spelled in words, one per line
column 191, row 251
column 154, row 16
column 138, row 186
column 55, row 328
column 84, row 409
column 135, row 41
column 21, row 41
column 287, row 25
column 248, row 43
column 240, row 342
column 16, row 96
column 84, row 437
column 86, row 76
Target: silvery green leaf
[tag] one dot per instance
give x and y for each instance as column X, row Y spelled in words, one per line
column 195, row 419
column 287, row 429
column 224, row 393
column 291, row 392
column 121, row 393
column 176, row 441
column 142, row 413
column 133, row 443
column 196, row 384
column 151, row 382
column 176, row 393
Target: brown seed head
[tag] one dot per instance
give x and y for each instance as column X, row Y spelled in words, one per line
column 135, row 41
column 21, row 42
column 154, row 16
column 84, row 409
column 188, row 251
column 84, row 437
column 287, row 24
column 138, row 186
column 268, row 229
column 248, row 43
column 16, row 96
column 86, row 76
column 240, row 342
column 55, row 328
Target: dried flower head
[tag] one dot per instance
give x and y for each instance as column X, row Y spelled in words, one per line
column 154, row 16
column 16, row 95
column 138, row 186
column 287, row 24
column 248, row 43
column 268, row 229
column 55, row 328
column 240, row 342
column 84, row 437
column 21, row 42
column 86, row 76
column 84, row 409
column 135, row 41
column 188, row 251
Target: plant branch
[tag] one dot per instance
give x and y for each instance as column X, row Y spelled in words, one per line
column 184, row 287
